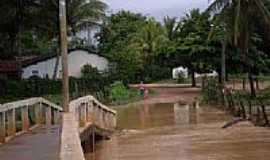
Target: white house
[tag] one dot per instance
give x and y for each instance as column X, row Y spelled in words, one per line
column 180, row 71
column 44, row 66
column 212, row 74
column 184, row 72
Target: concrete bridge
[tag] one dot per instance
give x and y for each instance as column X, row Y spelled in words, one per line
column 38, row 129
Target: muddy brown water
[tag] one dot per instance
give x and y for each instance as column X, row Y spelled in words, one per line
column 181, row 132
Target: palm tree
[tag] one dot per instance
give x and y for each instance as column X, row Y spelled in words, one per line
column 237, row 15
column 81, row 15
column 194, row 28
column 150, row 40
column 84, row 14
column 172, row 27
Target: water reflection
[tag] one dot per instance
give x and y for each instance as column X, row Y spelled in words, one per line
column 145, row 116
column 157, row 115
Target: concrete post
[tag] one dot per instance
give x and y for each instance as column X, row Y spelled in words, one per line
column 95, row 114
column 102, row 118
column 2, row 127
column 90, row 113
column 114, row 121
column 105, row 119
column 11, row 130
column 37, row 109
column 56, row 118
column 25, row 118
column 82, row 109
column 48, row 116
column 108, row 120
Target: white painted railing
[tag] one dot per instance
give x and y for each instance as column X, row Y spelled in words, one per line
column 21, row 116
column 85, row 112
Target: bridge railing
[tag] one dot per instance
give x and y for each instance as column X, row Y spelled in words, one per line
column 21, row 116
column 89, row 111
column 85, row 112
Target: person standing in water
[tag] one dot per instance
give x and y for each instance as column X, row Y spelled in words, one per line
column 142, row 88
column 146, row 93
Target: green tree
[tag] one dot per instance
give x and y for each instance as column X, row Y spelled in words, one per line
column 172, row 27
column 193, row 48
column 116, row 36
column 151, row 38
column 238, row 17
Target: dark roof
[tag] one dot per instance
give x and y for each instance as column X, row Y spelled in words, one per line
column 13, row 65
column 9, row 66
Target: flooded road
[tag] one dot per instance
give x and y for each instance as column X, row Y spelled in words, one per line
column 174, row 131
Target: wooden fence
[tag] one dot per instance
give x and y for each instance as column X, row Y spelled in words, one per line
column 255, row 110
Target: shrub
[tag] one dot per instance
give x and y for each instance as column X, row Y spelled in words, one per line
column 181, row 77
column 118, row 91
column 211, row 91
column 90, row 73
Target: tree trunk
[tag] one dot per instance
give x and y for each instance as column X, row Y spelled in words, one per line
column 223, row 64
column 258, row 116
column 250, row 109
column 257, row 83
column 244, row 83
column 243, row 109
column 252, row 87
column 219, row 77
column 264, row 115
column 193, row 78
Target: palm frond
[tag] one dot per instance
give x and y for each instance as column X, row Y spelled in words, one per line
column 264, row 11
column 217, row 5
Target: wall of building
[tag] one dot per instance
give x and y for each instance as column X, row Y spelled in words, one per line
column 76, row 60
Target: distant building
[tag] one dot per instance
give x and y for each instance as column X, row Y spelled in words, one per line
column 44, row 66
column 212, row 74
column 180, row 71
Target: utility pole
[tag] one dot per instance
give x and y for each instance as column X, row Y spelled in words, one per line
column 64, row 53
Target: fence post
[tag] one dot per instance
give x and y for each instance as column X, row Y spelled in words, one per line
column 25, row 118
column 82, row 114
column 2, row 127
column 48, row 116
column 56, row 117
column 90, row 111
column 38, row 115
column 11, row 122
column 114, row 121
column 106, row 119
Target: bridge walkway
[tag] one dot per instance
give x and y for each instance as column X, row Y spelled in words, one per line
column 42, row 143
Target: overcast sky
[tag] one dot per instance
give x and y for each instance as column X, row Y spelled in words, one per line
column 157, row 8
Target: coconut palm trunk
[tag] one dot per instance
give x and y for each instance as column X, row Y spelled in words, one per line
column 223, row 64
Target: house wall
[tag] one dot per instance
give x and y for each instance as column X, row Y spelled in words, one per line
column 76, row 60
column 179, row 70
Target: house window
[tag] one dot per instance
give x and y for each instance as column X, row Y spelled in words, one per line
column 35, row 72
